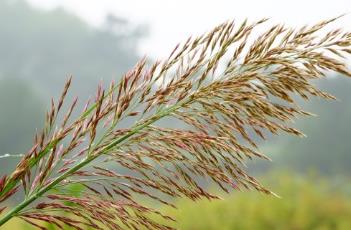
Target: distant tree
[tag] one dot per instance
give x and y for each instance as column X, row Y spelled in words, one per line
column 327, row 148
column 19, row 117
column 39, row 49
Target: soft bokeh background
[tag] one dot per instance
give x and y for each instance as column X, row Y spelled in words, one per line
column 42, row 42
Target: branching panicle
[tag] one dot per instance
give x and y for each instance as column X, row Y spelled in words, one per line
column 220, row 89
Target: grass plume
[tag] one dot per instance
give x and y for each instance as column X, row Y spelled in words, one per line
column 225, row 88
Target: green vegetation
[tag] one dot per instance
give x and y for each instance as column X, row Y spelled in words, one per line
column 309, row 203
column 304, row 204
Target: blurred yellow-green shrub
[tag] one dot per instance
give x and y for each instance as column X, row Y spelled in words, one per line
column 306, row 203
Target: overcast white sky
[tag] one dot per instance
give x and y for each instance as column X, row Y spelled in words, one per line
column 173, row 21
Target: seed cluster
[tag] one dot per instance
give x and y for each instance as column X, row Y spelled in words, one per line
column 223, row 91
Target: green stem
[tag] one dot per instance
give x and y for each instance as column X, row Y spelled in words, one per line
column 87, row 160
column 11, row 183
column 40, row 192
column 32, row 161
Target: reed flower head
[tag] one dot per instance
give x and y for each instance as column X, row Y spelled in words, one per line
column 223, row 89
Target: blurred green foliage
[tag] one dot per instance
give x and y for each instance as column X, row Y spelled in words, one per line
column 309, row 203
column 304, row 204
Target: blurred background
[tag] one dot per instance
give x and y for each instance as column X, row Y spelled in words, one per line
column 43, row 42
